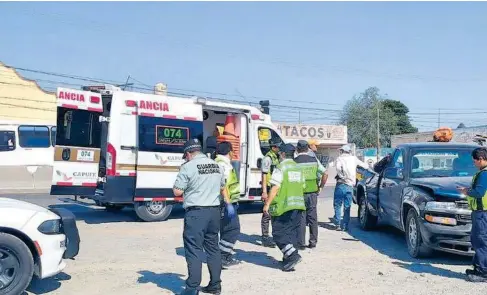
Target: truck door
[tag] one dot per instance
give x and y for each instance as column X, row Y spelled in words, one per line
column 390, row 191
column 78, row 137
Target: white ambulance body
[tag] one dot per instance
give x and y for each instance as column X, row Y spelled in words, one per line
column 121, row 148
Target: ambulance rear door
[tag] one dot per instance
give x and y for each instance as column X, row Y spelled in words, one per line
column 164, row 125
column 78, row 141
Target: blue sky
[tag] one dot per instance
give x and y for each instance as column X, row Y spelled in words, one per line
column 428, row 55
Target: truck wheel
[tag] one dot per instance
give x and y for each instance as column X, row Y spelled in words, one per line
column 153, row 210
column 416, row 247
column 16, row 265
column 367, row 220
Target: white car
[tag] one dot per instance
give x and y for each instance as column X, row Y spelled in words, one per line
column 33, row 240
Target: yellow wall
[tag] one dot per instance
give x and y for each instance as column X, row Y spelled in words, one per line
column 23, row 100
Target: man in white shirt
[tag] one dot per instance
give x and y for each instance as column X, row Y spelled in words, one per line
column 346, row 168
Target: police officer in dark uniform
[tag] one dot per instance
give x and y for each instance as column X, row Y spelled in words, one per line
column 315, row 176
column 477, row 202
column 200, row 181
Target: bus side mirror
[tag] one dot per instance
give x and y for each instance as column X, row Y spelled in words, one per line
column 259, row 163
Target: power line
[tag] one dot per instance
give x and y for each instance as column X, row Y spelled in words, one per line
column 281, row 62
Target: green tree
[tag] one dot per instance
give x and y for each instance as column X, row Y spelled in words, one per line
column 360, row 116
column 401, row 112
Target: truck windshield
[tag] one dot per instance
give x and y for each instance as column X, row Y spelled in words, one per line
column 442, row 163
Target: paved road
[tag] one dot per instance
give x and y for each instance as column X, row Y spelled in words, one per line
column 85, row 209
column 122, row 256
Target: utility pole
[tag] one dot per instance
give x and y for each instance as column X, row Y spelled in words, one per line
column 378, row 131
column 439, row 112
column 299, row 117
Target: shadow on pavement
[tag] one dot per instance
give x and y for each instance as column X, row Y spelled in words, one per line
column 252, row 257
column 391, row 242
column 95, row 215
column 47, row 285
column 87, row 211
column 258, row 258
column 250, row 239
column 169, row 281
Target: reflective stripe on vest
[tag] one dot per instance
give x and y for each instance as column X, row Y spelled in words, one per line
column 232, row 183
column 275, row 163
column 477, row 204
column 291, row 191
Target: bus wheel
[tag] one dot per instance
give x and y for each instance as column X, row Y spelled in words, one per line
column 153, row 210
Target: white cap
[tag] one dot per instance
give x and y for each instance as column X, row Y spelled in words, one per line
column 346, row 148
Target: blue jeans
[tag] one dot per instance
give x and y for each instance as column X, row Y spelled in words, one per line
column 342, row 196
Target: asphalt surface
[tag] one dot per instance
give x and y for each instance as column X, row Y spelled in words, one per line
column 123, row 256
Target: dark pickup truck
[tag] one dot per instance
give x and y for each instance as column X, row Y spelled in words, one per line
column 415, row 190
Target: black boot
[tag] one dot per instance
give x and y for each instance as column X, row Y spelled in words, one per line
column 476, row 276
column 291, row 262
column 228, row 261
column 217, row 290
column 268, row 242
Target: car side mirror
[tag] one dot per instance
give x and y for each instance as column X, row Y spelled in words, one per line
column 259, row 163
column 393, row 173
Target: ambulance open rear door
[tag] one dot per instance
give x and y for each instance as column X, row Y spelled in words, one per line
column 78, row 140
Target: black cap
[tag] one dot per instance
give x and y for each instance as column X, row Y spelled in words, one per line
column 191, row 145
column 287, row 148
column 223, row 148
column 274, row 142
column 302, row 144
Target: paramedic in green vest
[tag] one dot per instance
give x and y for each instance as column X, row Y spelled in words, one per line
column 477, row 202
column 315, row 176
column 229, row 227
column 271, row 160
column 286, row 205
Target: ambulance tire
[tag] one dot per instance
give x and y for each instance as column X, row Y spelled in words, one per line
column 153, row 211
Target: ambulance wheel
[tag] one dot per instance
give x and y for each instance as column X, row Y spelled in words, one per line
column 153, row 210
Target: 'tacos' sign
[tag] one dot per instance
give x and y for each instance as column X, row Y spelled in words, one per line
column 335, row 134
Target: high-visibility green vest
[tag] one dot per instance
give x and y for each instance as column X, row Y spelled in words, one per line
column 480, row 203
column 291, row 191
column 232, row 183
column 310, row 171
column 275, row 163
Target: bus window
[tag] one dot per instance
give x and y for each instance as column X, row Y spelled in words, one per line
column 78, row 128
column 7, row 141
column 34, row 136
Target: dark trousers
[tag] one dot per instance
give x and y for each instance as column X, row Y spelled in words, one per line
column 265, row 221
column 201, row 227
column 310, row 218
column 229, row 231
column 479, row 240
column 285, row 232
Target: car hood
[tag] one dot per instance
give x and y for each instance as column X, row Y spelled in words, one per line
column 444, row 186
column 6, row 203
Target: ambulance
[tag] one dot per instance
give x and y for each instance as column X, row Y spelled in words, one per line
column 123, row 148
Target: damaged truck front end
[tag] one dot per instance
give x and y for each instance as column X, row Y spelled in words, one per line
column 445, row 218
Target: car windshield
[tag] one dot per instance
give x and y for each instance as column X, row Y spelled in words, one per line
column 442, row 163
